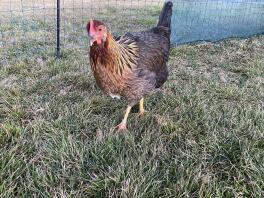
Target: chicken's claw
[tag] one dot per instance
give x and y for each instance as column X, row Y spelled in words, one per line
column 121, row 127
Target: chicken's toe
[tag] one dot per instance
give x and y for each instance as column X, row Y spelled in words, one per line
column 121, row 127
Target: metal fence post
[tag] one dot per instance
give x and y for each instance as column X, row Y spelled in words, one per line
column 58, row 30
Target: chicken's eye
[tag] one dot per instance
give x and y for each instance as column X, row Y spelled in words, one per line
column 100, row 29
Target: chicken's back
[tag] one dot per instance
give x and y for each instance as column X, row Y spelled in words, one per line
column 153, row 54
column 154, row 46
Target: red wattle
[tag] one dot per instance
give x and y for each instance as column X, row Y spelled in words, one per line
column 99, row 41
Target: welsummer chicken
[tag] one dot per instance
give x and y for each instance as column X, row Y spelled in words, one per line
column 132, row 65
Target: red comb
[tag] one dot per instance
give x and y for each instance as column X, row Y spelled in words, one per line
column 92, row 29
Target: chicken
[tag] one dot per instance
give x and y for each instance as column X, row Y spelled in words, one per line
column 134, row 64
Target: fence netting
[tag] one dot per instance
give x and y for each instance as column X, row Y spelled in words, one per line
column 213, row 20
column 30, row 25
column 32, row 20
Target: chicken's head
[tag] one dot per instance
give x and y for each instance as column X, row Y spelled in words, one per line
column 97, row 32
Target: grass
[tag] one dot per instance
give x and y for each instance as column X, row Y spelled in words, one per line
column 202, row 136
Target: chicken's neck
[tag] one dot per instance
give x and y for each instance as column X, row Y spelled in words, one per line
column 115, row 55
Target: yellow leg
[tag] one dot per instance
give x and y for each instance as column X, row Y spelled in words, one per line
column 141, row 107
column 122, row 125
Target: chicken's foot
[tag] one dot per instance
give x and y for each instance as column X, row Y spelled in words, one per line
column 122, row 126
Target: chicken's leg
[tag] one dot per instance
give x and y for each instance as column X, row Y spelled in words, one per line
column 122, row 125
column 141, row 107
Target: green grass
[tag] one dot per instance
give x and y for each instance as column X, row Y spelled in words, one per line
column 202, row 136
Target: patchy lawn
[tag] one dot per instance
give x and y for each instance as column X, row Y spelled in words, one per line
column 201, row 137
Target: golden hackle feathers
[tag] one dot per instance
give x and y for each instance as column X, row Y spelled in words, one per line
column 117, row 56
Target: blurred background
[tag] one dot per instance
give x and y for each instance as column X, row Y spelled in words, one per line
column 193, row 20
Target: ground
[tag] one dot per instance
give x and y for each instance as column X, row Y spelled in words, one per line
column 202, row 135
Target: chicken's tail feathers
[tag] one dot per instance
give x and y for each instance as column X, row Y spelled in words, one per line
column 165, row 15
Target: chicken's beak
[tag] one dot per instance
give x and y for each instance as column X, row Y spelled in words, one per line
column 92, row 40
column 95, row 41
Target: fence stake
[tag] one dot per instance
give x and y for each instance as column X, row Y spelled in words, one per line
column 58, row 30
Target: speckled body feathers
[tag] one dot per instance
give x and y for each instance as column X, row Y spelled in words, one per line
column 133, row 65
